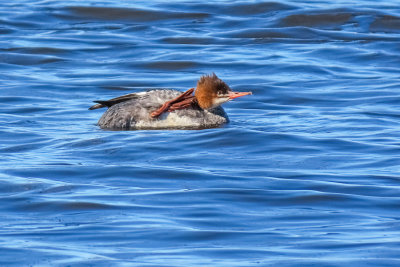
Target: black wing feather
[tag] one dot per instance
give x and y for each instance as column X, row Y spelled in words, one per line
column 113, row 101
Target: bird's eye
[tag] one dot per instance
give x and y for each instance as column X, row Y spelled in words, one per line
column 219, row 93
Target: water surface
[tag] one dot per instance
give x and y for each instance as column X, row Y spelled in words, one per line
column 306, row 173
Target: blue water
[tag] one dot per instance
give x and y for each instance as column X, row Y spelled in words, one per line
column 307, row 172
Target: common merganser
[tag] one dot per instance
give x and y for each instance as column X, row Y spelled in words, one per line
column 170, row 109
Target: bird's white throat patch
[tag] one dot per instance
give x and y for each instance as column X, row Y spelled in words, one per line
column 219, row 101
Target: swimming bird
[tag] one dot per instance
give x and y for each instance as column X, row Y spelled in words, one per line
column 170, row 109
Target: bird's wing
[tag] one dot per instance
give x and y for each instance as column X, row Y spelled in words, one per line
column 113, row 101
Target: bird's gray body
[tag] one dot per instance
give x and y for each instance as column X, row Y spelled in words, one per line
column 134, row 114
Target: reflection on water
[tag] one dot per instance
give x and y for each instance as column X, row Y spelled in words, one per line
column 306, row 173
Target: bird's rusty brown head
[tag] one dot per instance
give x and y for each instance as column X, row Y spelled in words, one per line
column 211, row 92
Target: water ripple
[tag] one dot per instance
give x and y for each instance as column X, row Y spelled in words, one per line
column 133, row 14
